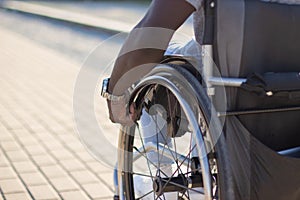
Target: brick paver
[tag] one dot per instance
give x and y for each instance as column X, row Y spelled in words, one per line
column 11, row 186
column 43, row 192
column 93, row 190
column 62, row 154
column 24, row 166
column 35, row 150
column 74, row 195
column 17, row 196
column 41, row 156
column 35, row 178
column 6, row 173
column 3, row 160
column 53, row 171
column 106, row 177
column 84, row 176
column 17, row 155
column 72, row 164
column 64, row 184
column 5, row 135
column 85, row 157
column 43, row 160
column 10, row 145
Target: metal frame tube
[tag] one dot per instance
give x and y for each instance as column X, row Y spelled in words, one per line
column 231, row 82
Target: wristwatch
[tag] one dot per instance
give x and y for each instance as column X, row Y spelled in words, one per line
column 106, row 94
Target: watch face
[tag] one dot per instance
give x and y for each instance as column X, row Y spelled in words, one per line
column 104, row 87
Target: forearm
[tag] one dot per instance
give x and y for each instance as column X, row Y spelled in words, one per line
column 143, row 49
column 131, row 67
column 147, row 43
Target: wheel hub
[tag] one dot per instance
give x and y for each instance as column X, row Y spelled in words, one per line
column 180, row 183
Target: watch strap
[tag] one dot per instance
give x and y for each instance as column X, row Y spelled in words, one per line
column 112, row 97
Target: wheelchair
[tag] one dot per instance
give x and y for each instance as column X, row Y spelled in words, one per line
column 246, row 146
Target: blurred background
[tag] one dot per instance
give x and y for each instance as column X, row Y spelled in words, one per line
column 43, row 46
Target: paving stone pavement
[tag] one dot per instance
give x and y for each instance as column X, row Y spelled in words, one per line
column 115, row 16
column 41, row 156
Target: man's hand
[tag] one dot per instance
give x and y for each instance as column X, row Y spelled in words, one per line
column 120, row 112
column 160, row 16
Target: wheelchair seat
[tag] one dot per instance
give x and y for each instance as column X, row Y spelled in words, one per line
column 258, row 41
column 265, row 40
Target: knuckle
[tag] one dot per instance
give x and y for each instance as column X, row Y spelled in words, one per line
column 112, row 120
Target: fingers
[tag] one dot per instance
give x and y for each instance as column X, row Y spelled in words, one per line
column 119, row 114
column 111, row 115
column 132, row 112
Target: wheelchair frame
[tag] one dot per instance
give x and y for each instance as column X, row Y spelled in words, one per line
column 210, row 82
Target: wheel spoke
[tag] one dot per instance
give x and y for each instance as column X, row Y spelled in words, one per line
column 165, row 141
column 148, row 160
column 139, row 174
column 176, row 170
column 145, row 195
column 171, row 169
column 183, row 187
column 178, row 166
column 144, row 151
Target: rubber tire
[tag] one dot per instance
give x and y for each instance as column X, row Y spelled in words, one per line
column 225, row 181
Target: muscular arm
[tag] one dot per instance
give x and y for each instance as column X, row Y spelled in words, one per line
column 165, row 16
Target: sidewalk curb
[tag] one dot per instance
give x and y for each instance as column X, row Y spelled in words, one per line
column 67, row 16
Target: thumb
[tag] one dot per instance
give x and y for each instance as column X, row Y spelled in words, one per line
column 132, row 111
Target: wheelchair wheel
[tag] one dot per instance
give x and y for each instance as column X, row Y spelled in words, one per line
column 190, row 162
